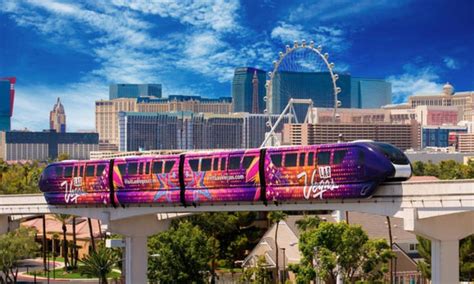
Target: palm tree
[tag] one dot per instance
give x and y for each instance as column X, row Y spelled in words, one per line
column 276, row 217
column 74, row 243
column 99, row 264
column 64, row 218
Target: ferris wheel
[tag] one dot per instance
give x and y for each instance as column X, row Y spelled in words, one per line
column 299, row 58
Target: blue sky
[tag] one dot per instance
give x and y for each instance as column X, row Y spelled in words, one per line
column 74, row 49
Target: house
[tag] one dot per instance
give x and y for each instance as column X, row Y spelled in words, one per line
column 54, row 233
column 404, row 244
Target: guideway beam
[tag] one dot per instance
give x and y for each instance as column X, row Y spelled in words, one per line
column 445, row 232
column 136, row 231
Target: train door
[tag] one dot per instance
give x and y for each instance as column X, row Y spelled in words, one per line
column 201, row 177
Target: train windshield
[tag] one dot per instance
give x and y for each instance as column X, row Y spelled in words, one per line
column 395, row 155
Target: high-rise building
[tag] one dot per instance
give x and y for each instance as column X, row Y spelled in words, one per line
column 463, row 100
column 57, row 118
column 370, row 93
column 117, row 91
column 425, row 115
column 255, row 128
column 41, row 146
column 7, row 96
column 403, row 136
column 179, row 130
column 440, row 136
column 106, row 112
column 243, row 85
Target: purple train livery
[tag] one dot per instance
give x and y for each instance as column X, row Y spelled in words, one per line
column 274, row 174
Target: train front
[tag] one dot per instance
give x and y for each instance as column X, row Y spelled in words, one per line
column 401, row 167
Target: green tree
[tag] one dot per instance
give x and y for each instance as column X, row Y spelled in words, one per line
column 15, row 246
column 63, row 157
column 424, row 249
column 334, row 248
column 308, row 223
column 99, row 264
column 19, row 178
column 64, row 218
column 230, row 233
column 275, row 217
column 179, row 255
column 257, row 274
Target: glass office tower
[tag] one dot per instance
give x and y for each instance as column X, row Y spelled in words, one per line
column 134, row 90
column 242, row 89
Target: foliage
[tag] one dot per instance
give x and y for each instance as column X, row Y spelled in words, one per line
column 348, row 247
column 15, row 246
column 445, row 169
column 99, row 264
column 19, row 178
column 257, row 274
column 308, row 223
column 466, row 257
column 179, row 255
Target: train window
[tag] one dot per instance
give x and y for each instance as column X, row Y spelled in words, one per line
column 205, row 165
column 247, row 161
column 59, row 171
column 310, row 158
column 361, row 158
column 339, row 156
column 157, row 167
column 68, row 172
column 223, row 161
column 90, row 170
column 168, row 166
column 122, row 168
column 100, row 170
column 234, row 163
column 290, row 160
column 276, row 159
column 194, row 164
column 76, row 171
column 215, row 164
column 147, row 168
column 323, row 158
column 302, row 156
column 81, row 171
column 132, row 168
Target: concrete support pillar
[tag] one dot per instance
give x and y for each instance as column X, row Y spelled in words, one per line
column 136, row 231
column 445, row 261
column 444, row 231
column 3, row 224
column 136, row 259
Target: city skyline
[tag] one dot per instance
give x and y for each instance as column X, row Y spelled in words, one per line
column 76, row 50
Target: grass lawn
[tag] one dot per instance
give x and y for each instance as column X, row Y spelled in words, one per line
column 60, row 273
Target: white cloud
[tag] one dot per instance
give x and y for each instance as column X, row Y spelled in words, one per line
column 219, row 15
column 33, row 104
column 451, row 63
column 331, row 37
column 413, row 81
column 329, row 10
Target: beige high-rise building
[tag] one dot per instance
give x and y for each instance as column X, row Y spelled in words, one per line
column 463, row 100
column 106, row 112
column 57, row 118
column 403, row 136
column 466, row 142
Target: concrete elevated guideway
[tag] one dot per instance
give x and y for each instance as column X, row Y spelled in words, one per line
column 442, row 211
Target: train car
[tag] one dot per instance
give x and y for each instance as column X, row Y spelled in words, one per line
column 275, row 174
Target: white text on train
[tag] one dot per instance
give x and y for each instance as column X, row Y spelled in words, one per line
column 316, row 189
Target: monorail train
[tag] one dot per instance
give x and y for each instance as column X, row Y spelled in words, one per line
column 276, row 174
